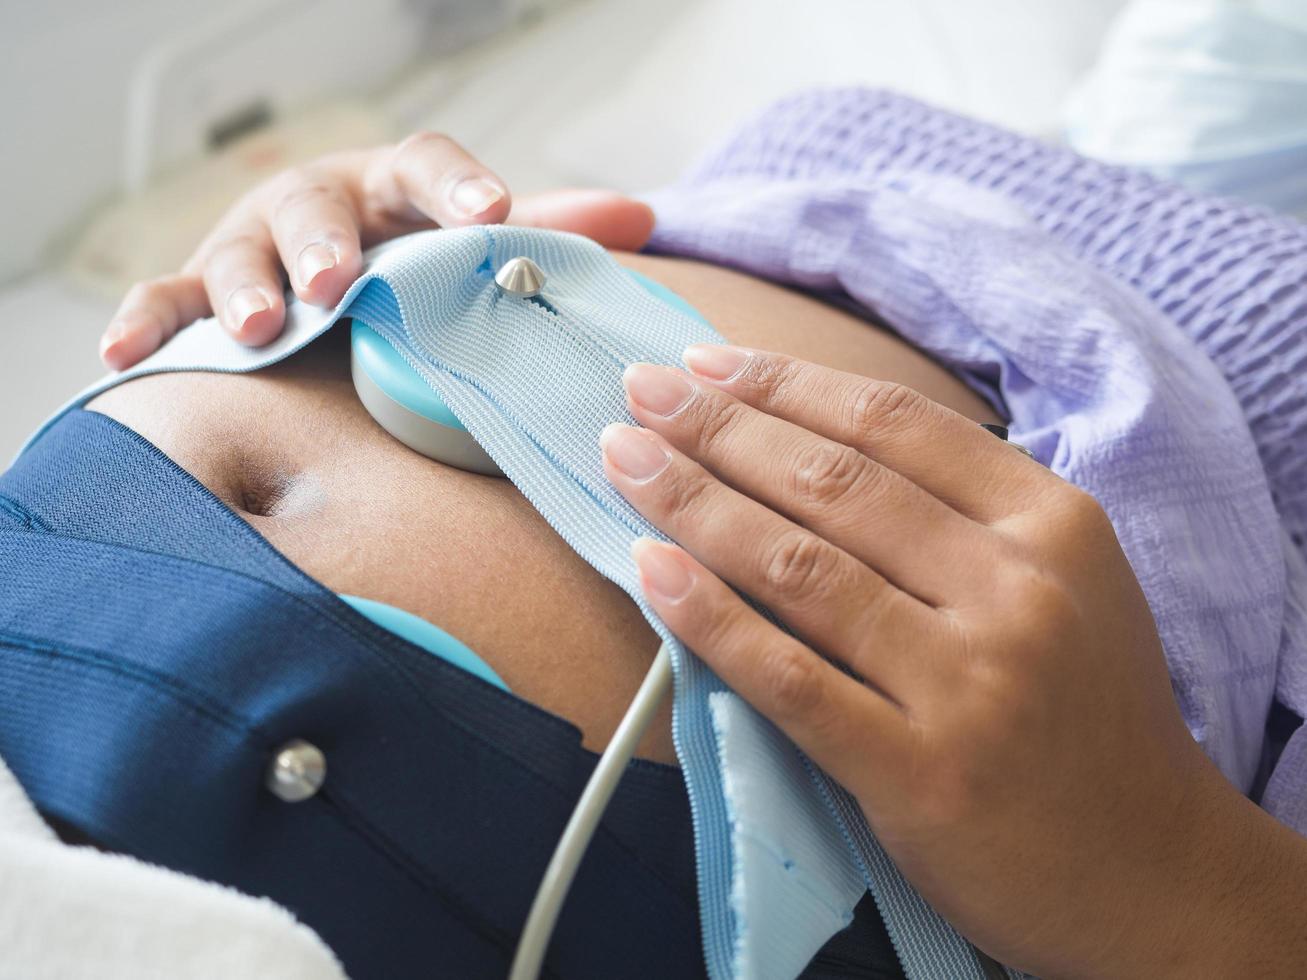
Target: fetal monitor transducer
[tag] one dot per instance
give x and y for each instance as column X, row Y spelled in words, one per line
column 403, row 404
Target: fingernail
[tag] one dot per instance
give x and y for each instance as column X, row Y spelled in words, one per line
column 315, row 259
column 243, row 303
column 473, row 196
column 129, row 338
column 662, row 570
column 715, row 361
column 113, row 333
column 112, row 339
column 658, row 389
column 633, row 451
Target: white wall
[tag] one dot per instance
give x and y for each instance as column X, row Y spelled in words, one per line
column 64, row 70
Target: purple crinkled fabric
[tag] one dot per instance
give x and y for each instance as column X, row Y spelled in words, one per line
column 1148, row 344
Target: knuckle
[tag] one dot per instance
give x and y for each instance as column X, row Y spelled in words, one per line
column 879, row 602
column 714, row 421
column 882, row 404
column 233, row 244
column 1080, row 515
column 770, row 376
column 797, row 565
column 422, row 141
column 282, row 183
column 827, row 472
column 307, row 191
column 718, row 628
column 953, row 768
column 1043, row 607
column 679, row 493
column 148, row 292
column 793, row 681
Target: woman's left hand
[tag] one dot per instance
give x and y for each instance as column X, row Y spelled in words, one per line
column 1011, row 733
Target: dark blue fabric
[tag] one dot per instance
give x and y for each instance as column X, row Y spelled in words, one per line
column 154, row 652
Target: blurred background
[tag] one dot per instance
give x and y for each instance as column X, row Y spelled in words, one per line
column 129, row 127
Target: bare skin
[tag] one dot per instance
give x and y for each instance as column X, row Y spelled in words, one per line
column 1011, row 733
column 1026, row 766
column 292, row 451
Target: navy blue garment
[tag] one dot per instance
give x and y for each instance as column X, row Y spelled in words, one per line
column 155, row 652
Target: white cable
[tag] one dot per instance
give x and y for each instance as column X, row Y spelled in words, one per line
column 585, row 818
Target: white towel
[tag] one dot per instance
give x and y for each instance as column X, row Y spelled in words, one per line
column 74, row 913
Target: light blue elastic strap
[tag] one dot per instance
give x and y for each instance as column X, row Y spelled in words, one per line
column 407, row 387
column 535, row 383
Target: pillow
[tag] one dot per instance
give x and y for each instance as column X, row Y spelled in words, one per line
column 1009, row 61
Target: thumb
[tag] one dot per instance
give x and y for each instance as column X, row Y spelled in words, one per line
column 613, row 220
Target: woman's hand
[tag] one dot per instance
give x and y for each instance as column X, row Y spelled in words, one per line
column 311, row 223
column 1011, row 733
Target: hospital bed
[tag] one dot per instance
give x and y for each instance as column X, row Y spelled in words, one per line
column 623, row 93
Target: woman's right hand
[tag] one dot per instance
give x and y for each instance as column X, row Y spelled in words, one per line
column 311, row 223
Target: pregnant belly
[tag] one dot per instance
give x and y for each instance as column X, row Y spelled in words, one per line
column 291, row 450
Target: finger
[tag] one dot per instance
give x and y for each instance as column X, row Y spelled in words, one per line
column 429, row 176
column 937, row 449
column 852, row 732
column 149, row 315
column 879, row 516
column 315, row 228
column 834, row 602
column 242, row 277
column 613, row 220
